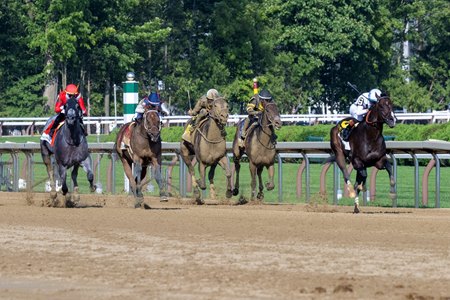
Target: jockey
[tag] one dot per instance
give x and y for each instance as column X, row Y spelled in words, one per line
column 151, row 102
column 359, row 109
column 70, row 91
column 254, row 109
column 200, row 111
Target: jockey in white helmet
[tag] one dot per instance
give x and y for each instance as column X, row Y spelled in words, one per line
column 363, row 103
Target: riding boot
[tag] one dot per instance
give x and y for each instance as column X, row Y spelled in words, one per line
column 243, row 133
column 346, row 133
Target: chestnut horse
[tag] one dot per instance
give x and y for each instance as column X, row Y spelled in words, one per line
column 209, row 148
column 368, row 147
column 259, row 147
column 140, row 144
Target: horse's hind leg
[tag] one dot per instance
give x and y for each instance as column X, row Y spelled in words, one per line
column 212, row 188
column 237, row 169
column 86, row 164
column 156, row 170
column 224, row 163
column 72, row 200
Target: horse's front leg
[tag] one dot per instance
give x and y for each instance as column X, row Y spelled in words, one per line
column 156, row 170
column 259, row 171
column 212, row 188
column 360, row 185
column 252, row 168
column 225, row 164
column 271, row 171
column 87, row 167
column 138, row 179
column 393, row 189
column 62, row 175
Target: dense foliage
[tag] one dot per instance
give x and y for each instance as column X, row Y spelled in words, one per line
column 303, row 51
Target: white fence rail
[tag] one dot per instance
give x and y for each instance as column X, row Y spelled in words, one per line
column 20, row 126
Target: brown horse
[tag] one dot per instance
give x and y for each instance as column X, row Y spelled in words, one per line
column 140, row 143
column 260, row 148
column 367, row 145
column 209, row 148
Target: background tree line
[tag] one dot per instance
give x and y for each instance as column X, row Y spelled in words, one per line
column 303, row 51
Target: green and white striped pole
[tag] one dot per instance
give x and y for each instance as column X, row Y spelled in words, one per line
column 130, row 101
column 130, row 97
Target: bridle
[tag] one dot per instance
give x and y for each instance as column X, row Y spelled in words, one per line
column 377, row 107
column 154, row 131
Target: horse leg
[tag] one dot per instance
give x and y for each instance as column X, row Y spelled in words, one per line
column 86, row 165
column 392, row 191
column 259, row 171
column 237, row 169
column 252, row 167
column 224, row 163
column 156, row 170
column 340, row 160
column 72, row 200
column 269, row 184
column 139, row 197
column 51, row 176
column 129, row 172
column 360, row 185
column 212, row 189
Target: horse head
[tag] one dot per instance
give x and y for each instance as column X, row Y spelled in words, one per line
column 384, row 111
column 152, row 124
column 271, row 114
column 72, row 111
column 219, row 111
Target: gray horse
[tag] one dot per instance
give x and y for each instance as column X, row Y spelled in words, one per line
column 70, row 150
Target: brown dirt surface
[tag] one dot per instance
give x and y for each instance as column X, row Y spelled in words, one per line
column 105, row 249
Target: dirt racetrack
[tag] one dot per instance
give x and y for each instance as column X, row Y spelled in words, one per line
column 108, row 250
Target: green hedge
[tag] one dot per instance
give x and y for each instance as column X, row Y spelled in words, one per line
column 293, row 133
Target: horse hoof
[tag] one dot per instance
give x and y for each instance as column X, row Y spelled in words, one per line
column 235, row 191
column 270, row 186
column 260, row 196
column 138, row 202
column 356, row 210
column 53, row 195
column 242, row 201
column 163, row 198
column 228, row 194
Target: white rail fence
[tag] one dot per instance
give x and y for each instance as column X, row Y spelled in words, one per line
column 99, row 125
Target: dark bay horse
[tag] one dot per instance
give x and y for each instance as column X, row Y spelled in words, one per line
column 260, row 149
column 367, row 145
column 140, row 144
column 70, row 150
column 209, row 148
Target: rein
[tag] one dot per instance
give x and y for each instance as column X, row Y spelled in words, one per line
column 270, row 123
column 149, row 127
column 374, row 123
column 203, row 134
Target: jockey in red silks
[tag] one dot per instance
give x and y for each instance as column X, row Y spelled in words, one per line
column 70, row 91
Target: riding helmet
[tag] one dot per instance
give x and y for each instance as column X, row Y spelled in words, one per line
column 153, row 98
column 265, row 95
column 71, row 89
column 212, row 94
column 373, row 95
